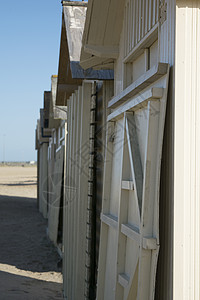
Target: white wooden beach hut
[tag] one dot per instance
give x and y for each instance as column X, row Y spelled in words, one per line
column 57, row 123
column 43, row 133
column 131, row 189
column 150, row 218
column 85, row 93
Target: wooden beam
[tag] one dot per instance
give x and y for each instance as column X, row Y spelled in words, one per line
column 102, row 51
column 74, row 3
column 131, row 232
column 110, row 220
column 146, row 42
column 96, row 63
column 127, row 185
column 141, row 83
column 149, row 243
column 136, row 102
column 123, row 279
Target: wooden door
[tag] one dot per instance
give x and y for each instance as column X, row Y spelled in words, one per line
column 129, row 242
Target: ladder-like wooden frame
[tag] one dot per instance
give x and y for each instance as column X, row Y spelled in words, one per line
column 121, row 242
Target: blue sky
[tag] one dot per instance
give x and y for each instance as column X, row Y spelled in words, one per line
column 29, row 53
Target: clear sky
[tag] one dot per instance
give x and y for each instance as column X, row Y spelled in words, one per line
column 29, row 52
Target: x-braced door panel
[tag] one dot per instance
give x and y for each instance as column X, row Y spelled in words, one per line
column 129, row 242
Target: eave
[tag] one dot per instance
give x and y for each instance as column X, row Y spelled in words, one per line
column 70, row 73
column 100, row 44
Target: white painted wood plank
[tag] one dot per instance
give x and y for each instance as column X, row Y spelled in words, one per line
column 141, row 83
column 114, row 20
column 150, row 14
column 110, row 220
column 131, row 24
column 64, row 235
column 131, row 291
column 149, row 206
column 146, row 16
column 186, row 239
column 123, row 279
column 125, row 30
column 139, row 20
column 122, row 218
column 84, row 103
column 143, row 17
column 153, row 13
column 145, row 42
column 73, row 196
column 128, row 27
column 138, row 101
column 147, row 202
column 131, row 232
column 96, row 35
column 127, row 185
column 44, row 180
column 149, row 243
column 134, row 24
column 102, row 51
column 77, row 188
column 105, row 209
column 69, row 243
column 66, row 202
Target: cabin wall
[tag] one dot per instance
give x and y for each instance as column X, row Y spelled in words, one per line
column 43, row 179
column 76, row 192
column 186, row 152
column 86, row 126
column 130, row 65
column 55, row 182
column 38, row 175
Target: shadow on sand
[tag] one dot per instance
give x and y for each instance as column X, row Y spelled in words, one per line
column 19, row 287
column 23, row 239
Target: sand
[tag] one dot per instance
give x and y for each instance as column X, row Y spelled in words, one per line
column 28, row 260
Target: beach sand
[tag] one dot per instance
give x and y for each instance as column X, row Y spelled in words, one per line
column 28, row 260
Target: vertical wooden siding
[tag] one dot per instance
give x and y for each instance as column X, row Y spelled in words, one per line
column 166, row 53
column 43, row 180
column 140, row 17
column 187, row 152
column 104, row 92
column 55, row 188
column 76, row 192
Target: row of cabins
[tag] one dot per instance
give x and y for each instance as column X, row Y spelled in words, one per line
column 118, row 142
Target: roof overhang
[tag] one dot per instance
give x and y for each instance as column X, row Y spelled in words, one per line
column 101, row 37
column 56, row 113
column 70, row 73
